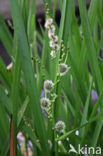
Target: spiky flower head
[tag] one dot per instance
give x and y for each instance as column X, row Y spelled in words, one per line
column 45, row 102
column 48, row 22
column 63, row 69
column 48, row 85
column 60, row 126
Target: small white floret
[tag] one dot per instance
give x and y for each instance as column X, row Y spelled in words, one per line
column 59, row 142
column 52, row 28
column 77, row 133
column 52, row 44
column 48, row 22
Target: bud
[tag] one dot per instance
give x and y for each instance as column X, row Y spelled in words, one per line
column 77, row 133
column 10, row 66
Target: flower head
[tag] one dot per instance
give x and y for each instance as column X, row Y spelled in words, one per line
column 63, row 68
column 60, row 126
column 45, row 102
column 48, row 85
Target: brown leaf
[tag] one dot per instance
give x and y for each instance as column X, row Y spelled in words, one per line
column 11, row 138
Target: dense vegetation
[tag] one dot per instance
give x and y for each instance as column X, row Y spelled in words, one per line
column 51, row 95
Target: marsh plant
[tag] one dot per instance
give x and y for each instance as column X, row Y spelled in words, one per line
column 51, row 93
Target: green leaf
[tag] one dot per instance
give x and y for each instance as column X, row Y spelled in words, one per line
column 5, row 36
column 90, row 45
column 24, row 54
column 85, row 112
column 22, row 110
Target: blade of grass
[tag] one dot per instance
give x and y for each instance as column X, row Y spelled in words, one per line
column 85, row 112
column 14, row 96
column 5, row 101
column 97, row 132
column 5, row 36
column 5, row 76
column 5, row 148
column 27, row 68
column 22, row 110
column 92, row 13
column 69, row 105
column 92, row 115
column 54, row 8
column 90, row 45
column 4, row 120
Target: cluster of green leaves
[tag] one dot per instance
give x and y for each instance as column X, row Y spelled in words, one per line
column 20, row 91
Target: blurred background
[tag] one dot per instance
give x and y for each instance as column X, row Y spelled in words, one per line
column 6, row 14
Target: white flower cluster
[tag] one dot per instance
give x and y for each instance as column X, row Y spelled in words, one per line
column 53, row 43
